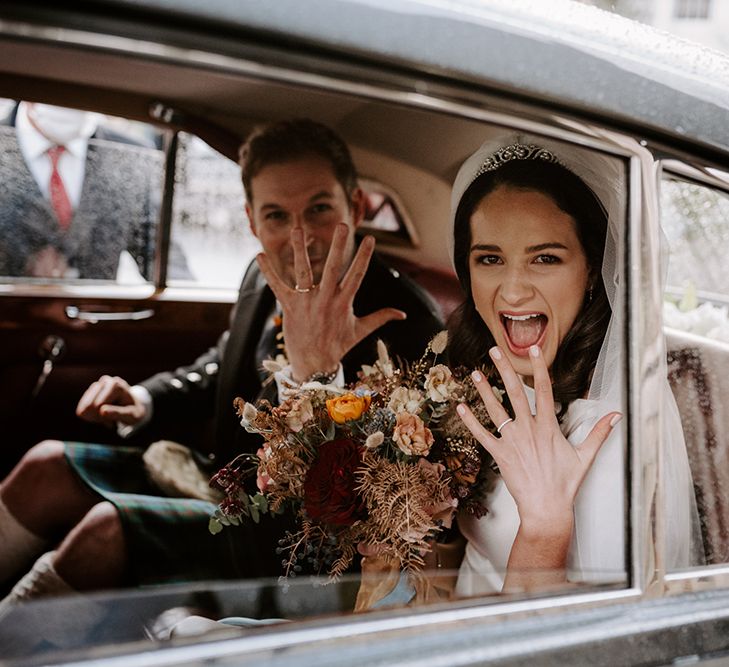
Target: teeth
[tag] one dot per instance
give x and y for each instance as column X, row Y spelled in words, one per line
column 521, row 318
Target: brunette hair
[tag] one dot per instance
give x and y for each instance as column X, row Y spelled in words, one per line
column 470, row 339
column 293, row 139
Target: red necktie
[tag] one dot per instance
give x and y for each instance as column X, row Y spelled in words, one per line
column 59, row 197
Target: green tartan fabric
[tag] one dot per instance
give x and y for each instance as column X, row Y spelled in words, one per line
column 167, row 538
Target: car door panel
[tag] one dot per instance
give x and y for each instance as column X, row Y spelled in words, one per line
column 176, row 333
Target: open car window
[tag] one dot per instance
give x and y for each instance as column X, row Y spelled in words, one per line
column 208, row 223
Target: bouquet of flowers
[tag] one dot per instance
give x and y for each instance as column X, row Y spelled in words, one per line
column 383, row 463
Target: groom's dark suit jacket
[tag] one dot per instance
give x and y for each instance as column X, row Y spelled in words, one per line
column 117, row 211
column 207, row 387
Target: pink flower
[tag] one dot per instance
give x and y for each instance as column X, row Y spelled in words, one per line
column 411, row 435
column 444, row 510
column 262, row 478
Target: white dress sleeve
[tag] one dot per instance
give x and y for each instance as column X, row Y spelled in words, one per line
column 597, row 553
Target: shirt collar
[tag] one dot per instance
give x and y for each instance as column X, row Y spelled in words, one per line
column 34, row 144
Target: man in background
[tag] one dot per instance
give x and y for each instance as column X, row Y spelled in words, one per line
column 76, row 196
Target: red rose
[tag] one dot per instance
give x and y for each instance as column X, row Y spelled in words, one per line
column 329, row 488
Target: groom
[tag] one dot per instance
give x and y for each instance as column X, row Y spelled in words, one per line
column 114, row 526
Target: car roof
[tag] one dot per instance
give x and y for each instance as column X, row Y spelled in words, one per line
column 561, row 53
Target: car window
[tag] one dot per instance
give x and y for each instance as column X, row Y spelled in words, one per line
column 80, row 196
column 209, row 223
column 385, row 216
column 695, row 218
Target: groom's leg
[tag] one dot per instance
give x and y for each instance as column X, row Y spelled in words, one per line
column 40, row 501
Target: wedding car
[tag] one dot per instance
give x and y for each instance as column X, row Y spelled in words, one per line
column 414, row 87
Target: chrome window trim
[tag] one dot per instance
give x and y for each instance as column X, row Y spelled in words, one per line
column 693, row 173
column 376, row 625
column 636, row 499
column 644, row 340
column 114, row 292
column 646, row 345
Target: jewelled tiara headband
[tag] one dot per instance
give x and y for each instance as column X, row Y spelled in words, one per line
column 512, row 152
column 493, row 155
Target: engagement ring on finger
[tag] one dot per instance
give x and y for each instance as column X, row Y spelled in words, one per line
column 504, row 423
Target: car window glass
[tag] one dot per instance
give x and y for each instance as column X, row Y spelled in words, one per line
column 695, row 219
column 80, row 195
column 209, row 224
column 385, row 216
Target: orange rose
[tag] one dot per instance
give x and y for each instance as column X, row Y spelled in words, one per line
column 348, row 407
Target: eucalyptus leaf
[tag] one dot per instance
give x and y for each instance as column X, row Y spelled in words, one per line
column 214, row 526
column 331, row 431
column 221, row 518
column 261, row 502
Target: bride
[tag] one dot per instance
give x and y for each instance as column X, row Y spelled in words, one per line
column 536, row 228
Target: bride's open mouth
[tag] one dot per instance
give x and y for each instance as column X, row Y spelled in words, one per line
column 524, row 330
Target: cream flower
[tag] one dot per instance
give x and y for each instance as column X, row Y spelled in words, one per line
column 275, row 365
column 439, row 342
column 405, row 400
column 439, row 383
column 248, row 416
column 411, row 435
column 301, row 412
column 375, row 440
column 383, row 360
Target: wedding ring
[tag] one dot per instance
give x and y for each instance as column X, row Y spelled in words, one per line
column 504, row 423
column 303, row 290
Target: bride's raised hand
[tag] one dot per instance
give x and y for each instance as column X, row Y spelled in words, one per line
column 319, row 324
column 541, row 469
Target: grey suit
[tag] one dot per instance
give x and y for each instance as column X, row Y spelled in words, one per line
column 117, row 210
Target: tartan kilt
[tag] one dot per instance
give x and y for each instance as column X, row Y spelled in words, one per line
column 167, row 539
